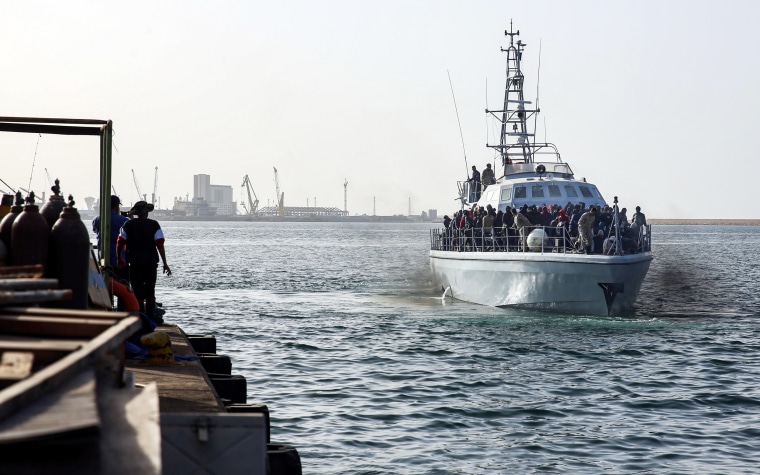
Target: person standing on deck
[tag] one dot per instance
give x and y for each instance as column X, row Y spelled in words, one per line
column 585, row 229
column 474, row 185
column 488, row 176
column 144, row 242
column 522, row 224
column 639, row 218
column 638, row 224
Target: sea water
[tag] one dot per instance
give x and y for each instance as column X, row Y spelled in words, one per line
column 366, row 369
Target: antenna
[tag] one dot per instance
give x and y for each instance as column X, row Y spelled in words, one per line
column 345, row 196
column 487, row 137
column 34, row 159
column 538, row 82
column 460, row 124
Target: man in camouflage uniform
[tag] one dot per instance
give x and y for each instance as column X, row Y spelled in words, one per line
column 585, row 230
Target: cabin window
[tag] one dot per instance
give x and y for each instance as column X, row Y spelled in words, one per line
column 537, row 191
column 570, row 191
column 521, row 192
column 586, row 192
column 506, row 193
column 596, row 192
column 554, row 191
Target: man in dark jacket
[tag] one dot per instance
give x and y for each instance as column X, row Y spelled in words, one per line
column 474, row 185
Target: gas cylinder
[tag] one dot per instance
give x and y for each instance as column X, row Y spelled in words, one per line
column 29, row 236
column 8, row 219
column 5, row 205
column 69, row 259
column 55, row 204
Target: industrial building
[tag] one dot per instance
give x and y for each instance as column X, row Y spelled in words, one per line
column 208, row 199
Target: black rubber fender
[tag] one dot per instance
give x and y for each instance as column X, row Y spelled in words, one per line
column 283, row 460
column 203, row 343
column 212, row 363
column 230, row 386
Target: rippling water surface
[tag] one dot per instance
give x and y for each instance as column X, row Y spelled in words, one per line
column 366, row 370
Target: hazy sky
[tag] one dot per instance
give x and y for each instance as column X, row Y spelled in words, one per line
column 653, row 101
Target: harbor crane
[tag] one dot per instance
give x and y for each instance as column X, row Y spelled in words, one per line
column 48, row 177
column 253, row 200
column 137, row 187
column 155, row 186
column 280, row 196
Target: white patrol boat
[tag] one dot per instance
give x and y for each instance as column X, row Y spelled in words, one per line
column 490, row 265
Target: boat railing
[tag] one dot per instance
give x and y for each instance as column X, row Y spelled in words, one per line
column 551, row 239
column 559, row 169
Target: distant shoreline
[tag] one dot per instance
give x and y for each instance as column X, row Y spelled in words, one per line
column 714, row 222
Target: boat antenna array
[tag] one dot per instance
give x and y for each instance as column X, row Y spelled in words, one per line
column 517, row 142
column 461, row 136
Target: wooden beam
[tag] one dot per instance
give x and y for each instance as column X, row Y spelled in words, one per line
column 63, row 312
column 10, row 297
column 17, row 272
column 45, row 380
column 28, row 284
column 66, row 327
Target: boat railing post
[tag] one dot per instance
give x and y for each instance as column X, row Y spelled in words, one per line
column 543, row 240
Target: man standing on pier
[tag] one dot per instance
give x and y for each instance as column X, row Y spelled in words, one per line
column 144, row 242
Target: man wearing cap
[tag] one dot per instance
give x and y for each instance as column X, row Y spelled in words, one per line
column 117, row 221
column 143, row 240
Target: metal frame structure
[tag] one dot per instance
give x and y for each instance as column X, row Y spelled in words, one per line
column 95, row 127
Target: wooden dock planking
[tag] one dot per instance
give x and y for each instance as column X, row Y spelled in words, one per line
column 182, row 386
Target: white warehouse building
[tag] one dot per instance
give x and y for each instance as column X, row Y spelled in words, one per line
column 217, row 196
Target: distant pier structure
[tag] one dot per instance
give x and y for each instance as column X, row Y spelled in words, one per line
column 301, row 211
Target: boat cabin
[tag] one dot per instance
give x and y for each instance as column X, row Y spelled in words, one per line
column 540, row 191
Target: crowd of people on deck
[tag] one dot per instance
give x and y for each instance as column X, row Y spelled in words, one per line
column 573, row 227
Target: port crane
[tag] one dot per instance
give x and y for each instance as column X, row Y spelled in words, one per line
column 137, row 187
column 50, row 181
column 155, row 186
column 253, row 201
column 280, row 196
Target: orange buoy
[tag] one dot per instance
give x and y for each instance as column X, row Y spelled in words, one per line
column 125, row 295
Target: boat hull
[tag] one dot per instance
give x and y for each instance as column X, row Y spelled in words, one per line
column 556, row 282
